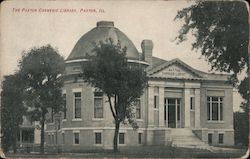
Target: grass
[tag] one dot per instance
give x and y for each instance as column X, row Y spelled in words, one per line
column 142, row 152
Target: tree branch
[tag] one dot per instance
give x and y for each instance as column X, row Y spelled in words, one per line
column 111, row 107
column 116, row 109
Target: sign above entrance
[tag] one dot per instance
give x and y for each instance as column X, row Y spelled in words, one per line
column 176, row 71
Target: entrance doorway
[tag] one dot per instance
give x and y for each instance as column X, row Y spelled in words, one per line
column 173, row 108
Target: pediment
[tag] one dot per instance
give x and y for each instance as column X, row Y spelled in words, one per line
column 176, row 70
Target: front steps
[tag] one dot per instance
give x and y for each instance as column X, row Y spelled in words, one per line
column 184, row 137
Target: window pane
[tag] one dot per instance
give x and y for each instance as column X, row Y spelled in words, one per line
column 178, row 112
column 208, row 111
column 178, row 101
column 78, row 94
column 171, row 101
column 98, row 138
column 77, row 105
column 76, row 138
column 221, row 111
column 215, row 99
column 221, row 136
column 138, row 109
column 98, row 107
column 78, row 108
column 121, row 138
column 215, row 111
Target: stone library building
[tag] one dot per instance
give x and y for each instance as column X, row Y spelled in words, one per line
column 181, row 105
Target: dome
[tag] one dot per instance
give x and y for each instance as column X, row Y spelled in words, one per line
column 103, row 31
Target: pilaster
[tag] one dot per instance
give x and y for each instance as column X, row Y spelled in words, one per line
column 161, row 107
column 150, row 106
column 197, row 108
column 187, row 107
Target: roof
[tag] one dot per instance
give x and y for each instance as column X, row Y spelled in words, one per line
column 157, row 61
column 103, row 31
column 159, row 65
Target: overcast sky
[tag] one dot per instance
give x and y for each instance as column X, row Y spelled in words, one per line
column 24, row 24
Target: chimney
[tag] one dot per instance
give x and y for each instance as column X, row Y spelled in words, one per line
column 147, row 47
column 105, row 24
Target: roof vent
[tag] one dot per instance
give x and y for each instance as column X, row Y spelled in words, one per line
column 105, row 24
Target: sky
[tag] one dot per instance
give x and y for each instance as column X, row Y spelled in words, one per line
column 27, row 24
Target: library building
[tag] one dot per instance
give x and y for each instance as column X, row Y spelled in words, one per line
column 181, row 105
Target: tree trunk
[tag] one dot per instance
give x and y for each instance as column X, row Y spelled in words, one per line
column 248, row 74
column 14, row 140
column 248, row 100
column 115, row 144
column 42, row 133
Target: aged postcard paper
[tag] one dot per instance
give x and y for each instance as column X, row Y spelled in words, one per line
column 184, row 108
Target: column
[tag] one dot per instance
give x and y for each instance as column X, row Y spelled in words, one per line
column 197, row 108
column 187, row 107
column 161, row 107
column 150, row 106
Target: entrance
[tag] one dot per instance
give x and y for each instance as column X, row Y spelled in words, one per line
column 173, row 108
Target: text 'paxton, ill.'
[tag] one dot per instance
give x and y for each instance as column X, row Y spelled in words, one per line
column 58, row 10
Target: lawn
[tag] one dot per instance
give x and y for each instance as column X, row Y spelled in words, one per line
column 142, row 152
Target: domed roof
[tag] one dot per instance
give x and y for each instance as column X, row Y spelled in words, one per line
column 103, row 31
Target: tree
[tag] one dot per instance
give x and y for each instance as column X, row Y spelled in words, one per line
column 12, row 110
column 241, row 130
column 221, row 31
column 41, row 69
column 123, row 83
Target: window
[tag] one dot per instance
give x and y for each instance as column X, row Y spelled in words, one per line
column 215, row 108
column 156, row 101
column 221, row 138
column 63, row 138
column 98, row 105
column 76, row 138
column 121, row 138
column 210, row 138
column 53, row 140
column 27, row 136
column 138, row 108
column 139, row 138
column 49, row 139
column 156, row 97
column 77, row 105
column 64, row 107
column 178, row 104
column 192, row 103
column 58, row 124
column 98, row 138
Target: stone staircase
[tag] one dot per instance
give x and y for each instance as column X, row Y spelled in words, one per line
column 184, row 137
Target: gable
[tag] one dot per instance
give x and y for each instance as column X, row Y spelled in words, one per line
column 175, row 70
